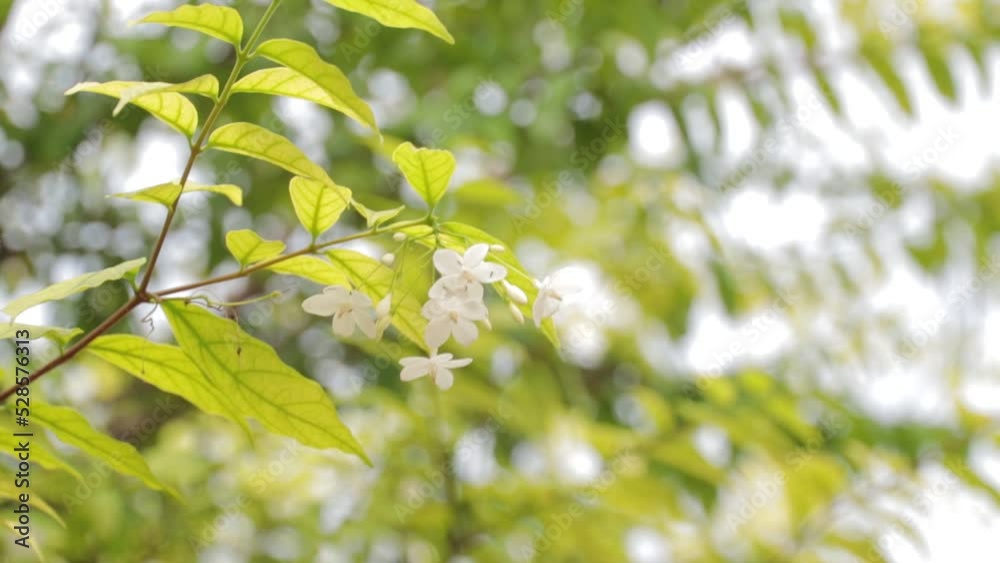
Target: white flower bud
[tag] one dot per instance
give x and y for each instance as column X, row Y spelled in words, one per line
column 497, row 248
column 516, row 294
column 388, row 259
column 383, row 307
column 399, row 237
column 380, row 327
column 488, row 324
column 516, row 313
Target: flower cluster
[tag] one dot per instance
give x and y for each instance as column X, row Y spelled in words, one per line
column 455, row 305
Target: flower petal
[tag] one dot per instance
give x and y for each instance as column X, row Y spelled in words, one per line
column 473, row 310
column 475, row 255
column 322, row 305
column 437, row 332
column 459, row 363
column 414, row 361
column 343, row 325
column 488, row 272
column 448, row 262
column 444, row 379
column 434, row 308
column 359, row 300
column 339, row 292
column 465, row 332
column 365, row 322
column 414, row 371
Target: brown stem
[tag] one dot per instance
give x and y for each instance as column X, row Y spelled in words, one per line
column 79, row 346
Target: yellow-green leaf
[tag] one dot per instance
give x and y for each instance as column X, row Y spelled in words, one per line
column 283, row 81
column 56, row 334
column 318, row 205
column 311, row 268
column 9, row 491
column 220, row 22
column 375, row 280
column 935, row 54
column 250, row 371
column 886, row 70
column 398, row 13
column 167, row 194
column 206, row 85
column 304, row 60
column 169, row 107
column 72, row 286
column 376, row 218
column 167, row 368
column 249, row 248
column 41, row 449
column 428, row 170
column 254, row 141
column 70, row 427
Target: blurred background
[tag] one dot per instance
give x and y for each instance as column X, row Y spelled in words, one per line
column 784, row 216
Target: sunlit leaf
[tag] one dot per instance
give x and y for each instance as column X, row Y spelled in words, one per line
column 56, row 334
column 42, row 450
column 249, row 248
column 70, row 427
column 72, row 286
column 254, row 141
column 398, row 13
column 167, row 194
column 283, row 81
column 251, row 373
column 206, row 85
column 374, row 218
column 220, row 22
column 304, row 60
column 375, row 280
column 169, row 107
column 9, row 491
column 167, row 368
column 311, row 268
column 429, row 171
column 318, row 205
column 935, row 53
column 886, row 70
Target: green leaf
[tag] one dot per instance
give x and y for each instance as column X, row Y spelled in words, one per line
column 428, row 170
column 311, row 268
column 74, row 430
column 887, row 71
column 934, row 52
column 59, row 335
column 9, row 491
column 220, row 22
column 72, row 286
column 318, row 205
column 254, row 141
column 167, row 194
column 259, row 383
column 283, row 81
column 249, row 248
column 205, row 85
column 375, row 280
column 304, row 60
column 376, row 218
column 398, row 13
column 41, row 449
column 169, row 107
column 167, row 368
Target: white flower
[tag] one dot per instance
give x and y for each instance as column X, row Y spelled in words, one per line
column 384, row 307
column 465, row 272
column 388, row 259
column 348, row 308
column 551, row 292
column 438, row 366
column 452, row 317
